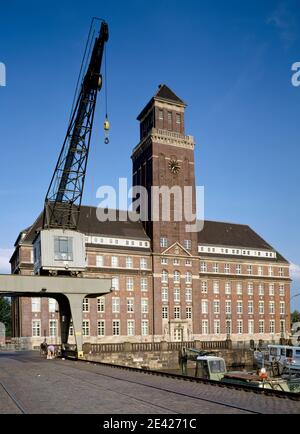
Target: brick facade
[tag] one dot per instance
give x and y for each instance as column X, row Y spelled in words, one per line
column 168, row 286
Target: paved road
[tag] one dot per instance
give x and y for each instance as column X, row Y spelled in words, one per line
column 29, row 384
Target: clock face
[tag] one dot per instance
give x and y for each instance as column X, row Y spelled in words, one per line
column 174, row 166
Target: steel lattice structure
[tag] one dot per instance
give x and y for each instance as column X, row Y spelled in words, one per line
column 64, row 196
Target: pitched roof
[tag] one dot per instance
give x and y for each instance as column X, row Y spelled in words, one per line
column 90, row 225
column 234, row 235
column 164, row 93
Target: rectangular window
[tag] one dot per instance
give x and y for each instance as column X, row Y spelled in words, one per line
column 160, row 114
column 178, row 118
column 63, row 248
column 260, row 270
column 204, row 327
column 240, row 326
column 101, row 304
column 143, row 263
column 145, row 304
column 188, row 262
column 216, row 326
column 251, row 326
column 116, row 327
column 216, row 306
column 238, row 269
column 280, row 272
column 239, row 307
column 35, row 304
column 52, row 305
column 101, row 328
column 188, row 294
column 164, row 261
column 169, row 119
column 216, row 267
column 261, row 326
column 144, row 284
column 204, row 306
column 163, row 242
column 261, row 290
column 250, row 288
column 176, row 294
column 114, row 261
column 282, row 308
column 36, row 328
column 261, row 307
column 204, row 287
column 177, row 312
column 227, row 288
column 129, row 262
column 130, row 328
column 130, row 305
column 99, row 261
column 216, row 286
column 281, row 289
column 282, row 326
column 228, row 307
column 115, row 284
column 203, row 267
column 227, row 268
column 270, row 271
column 272, row 326
column 249, row 269
column 115, row 305
column 85, row 328
column 145, row 328
column 188, row 311
column 250, row 307
column 53, row 328
column 271, row 307
column 164, row 294
column 129, row 283
column 187, row 244
column 239, row 288
column 85, row 305
column 176, row 261
column 165, row 312
column 271, row 289
column 188, row 277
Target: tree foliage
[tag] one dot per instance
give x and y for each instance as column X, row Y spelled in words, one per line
column 295, row 316
column 5, row 314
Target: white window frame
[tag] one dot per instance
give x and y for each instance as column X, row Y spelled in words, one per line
column 36, row 328
column 101, row 327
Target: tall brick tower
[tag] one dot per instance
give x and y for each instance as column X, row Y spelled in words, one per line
column 165, row 158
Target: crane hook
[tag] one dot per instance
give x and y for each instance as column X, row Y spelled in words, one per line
column 106, row 130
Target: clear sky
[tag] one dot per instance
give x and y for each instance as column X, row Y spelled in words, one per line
column 229, row 60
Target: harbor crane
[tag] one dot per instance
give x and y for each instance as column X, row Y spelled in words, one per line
column 59, row 247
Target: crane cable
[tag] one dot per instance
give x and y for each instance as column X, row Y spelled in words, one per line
column 106, row 122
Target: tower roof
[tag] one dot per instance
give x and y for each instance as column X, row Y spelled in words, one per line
column 164, row 94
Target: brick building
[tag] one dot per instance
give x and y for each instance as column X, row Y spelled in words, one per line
column 168, row 284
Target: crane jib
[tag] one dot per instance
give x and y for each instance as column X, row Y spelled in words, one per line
column 63, row 199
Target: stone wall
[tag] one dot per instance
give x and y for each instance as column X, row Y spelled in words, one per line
column 168, row 360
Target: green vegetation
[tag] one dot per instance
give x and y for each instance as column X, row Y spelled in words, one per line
column 5, row 314
column 295, row 316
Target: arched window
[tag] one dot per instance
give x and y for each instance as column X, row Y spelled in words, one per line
column 164, row 276
column 188, row 277
column 176, row 277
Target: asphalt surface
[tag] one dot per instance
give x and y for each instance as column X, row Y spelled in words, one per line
column 30, row 384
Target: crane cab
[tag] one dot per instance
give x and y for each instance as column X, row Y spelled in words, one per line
column 210, row 367
column 59, row 251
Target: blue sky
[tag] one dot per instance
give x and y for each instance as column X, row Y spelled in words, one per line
column 229, row 60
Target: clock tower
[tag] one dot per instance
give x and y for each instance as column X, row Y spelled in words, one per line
column 163, row 163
